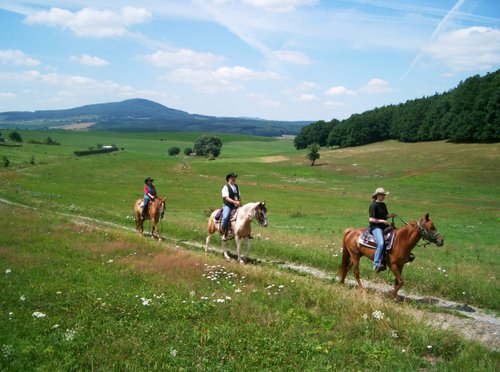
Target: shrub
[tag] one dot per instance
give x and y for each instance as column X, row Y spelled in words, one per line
column 208, row 145
column 188, row 151
column 174, row 151
column 15, row 137
column 6, row 162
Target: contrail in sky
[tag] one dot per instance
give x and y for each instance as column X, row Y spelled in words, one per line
column 438, row 28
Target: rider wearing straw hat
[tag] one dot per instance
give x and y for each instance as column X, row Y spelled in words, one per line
column 378, row 222
column 231, row 200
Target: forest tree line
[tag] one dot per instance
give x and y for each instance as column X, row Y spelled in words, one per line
column 468, row 113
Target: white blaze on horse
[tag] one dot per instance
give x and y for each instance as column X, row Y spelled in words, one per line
column 241, row 225
column 156, row 209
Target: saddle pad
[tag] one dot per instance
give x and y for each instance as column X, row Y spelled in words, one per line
column 218, row 215
column 368, row 240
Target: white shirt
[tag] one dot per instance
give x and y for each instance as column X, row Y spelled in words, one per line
column 225, row 190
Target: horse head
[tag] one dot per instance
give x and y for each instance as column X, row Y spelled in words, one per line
column 161, row 204
column 261, row 214
column 429, row 231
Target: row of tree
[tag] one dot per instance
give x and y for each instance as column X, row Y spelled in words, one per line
column 468, row 113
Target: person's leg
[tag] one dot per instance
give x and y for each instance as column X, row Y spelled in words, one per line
column 145, row 208
column 378, row 234
column 226, row 213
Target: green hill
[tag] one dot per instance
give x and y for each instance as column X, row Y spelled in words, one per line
column 142, row 115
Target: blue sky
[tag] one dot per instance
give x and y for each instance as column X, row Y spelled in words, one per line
column 273, row 59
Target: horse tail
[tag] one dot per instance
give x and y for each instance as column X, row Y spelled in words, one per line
column 346, row 256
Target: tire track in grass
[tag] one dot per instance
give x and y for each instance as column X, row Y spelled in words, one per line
column 474, row 324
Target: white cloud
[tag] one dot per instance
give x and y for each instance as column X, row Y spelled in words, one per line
column 220, row 79
column 340, row 91
column 298, row 58
column 90, row 22
column 376, row 86
column 279, row 5
column 333, row 104
column 307, row 98
column 5, row 95
column 182, row 57
column 263, row 100
column 16, row 57
column 89, row 60
column 467, row 49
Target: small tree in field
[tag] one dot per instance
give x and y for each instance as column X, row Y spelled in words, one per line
column 313, row 153
column 5, row 161
column 174, row 151
column 208, row 145
column 188, row 151
column 15, row 137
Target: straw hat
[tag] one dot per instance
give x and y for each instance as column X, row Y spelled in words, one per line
column 380, row 190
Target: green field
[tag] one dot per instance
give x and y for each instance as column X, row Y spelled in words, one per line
column 102, row 272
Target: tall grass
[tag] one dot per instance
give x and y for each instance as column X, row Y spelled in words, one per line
column 78, row 296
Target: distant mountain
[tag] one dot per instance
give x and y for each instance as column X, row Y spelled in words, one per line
column 143, row 115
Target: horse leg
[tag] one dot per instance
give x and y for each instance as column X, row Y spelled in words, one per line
column 355, row 263
column 207, row 241
column 224, row 248
column 249, row 247
column 398, row 283
column 345, row 265
column 238, row 248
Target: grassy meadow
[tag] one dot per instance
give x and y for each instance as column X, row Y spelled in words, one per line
column 114, row 300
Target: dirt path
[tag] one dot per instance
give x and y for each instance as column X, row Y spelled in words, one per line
column 474, row 323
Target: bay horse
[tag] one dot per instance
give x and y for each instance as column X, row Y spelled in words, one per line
column 156, row 209
column 241, row 225
column 405, row 239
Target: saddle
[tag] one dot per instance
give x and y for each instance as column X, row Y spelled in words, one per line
column 232, row 216
column 368, row 240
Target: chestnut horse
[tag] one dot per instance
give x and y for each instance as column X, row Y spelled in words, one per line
column 241, row 226
column 154, row 213
column 404, row 241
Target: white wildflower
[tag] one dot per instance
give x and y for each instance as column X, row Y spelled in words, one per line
column 429, row 347
column 237, row 290
column 22, row 298
column 70, row 334
column 377, row 314
column 173, row 352
column 146, row 301
column 192, row 294
column 403, row 350
column 55, row 326
column 394, row 334
column 8, row 271
column 365, row 316
column 110, row 261
column 38, row 314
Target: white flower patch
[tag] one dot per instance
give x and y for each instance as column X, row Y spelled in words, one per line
column 7, row 350
column 377, row 314
column 394, row 334
column 173, row 352
column 69, row 335
column 22, row 298
column 8, row 271
column 146, row 301
column 38, row 314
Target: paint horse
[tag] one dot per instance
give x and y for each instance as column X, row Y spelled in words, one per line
column 156, row 209
column 241, row 225
column 406, row 238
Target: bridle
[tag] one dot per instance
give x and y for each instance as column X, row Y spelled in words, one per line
column 427, row 236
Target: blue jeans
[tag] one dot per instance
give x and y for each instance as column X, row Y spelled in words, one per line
column 145, row 207
column 378, row 234
column 226, row 212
